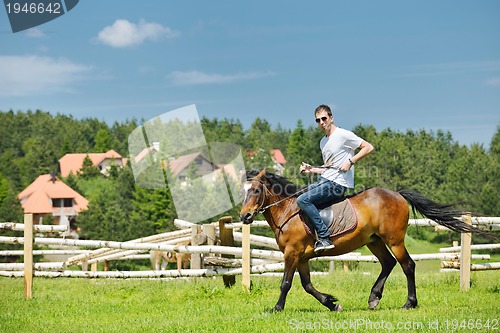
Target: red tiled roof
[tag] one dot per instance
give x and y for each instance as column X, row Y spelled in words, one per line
column 278, row 157
column 143, row 153
column 72, row 163
column 37, row 197
column 97, row 158
column 230, row 170
column 182, row 162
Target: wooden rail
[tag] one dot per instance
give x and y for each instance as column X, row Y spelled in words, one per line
column 208, row 234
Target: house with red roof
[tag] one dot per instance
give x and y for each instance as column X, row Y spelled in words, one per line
column 196, row 162
column 276, row 155
column 48, row 195
column 279, row 160
column 180, row 166
column 183, row 166
column 72, row 163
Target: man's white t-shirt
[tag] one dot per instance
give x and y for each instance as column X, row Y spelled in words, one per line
column 337, row 148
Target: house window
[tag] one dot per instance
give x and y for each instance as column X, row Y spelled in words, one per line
column 62, row 202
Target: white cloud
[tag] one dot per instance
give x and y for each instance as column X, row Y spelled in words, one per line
column 28, row 75
column 494, row 81
column 123, row 33
column 196, row 77
column 35, row 33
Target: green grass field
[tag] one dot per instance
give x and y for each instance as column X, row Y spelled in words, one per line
column 204, row 305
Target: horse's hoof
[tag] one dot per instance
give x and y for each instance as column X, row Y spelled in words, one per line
column 338, row 308
column 276, row 309
column 373, row 304
column 410, row 305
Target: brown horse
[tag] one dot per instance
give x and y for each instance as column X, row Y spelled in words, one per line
column 382, row 221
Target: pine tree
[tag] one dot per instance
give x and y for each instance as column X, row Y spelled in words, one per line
column 102, row 141
column 88, row 169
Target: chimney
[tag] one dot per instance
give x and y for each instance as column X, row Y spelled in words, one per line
column 156, row 145
column 53, row 177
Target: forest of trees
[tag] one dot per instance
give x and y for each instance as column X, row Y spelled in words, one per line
column 431, row 163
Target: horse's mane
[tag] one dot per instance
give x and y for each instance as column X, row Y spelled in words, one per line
column 282, row 182
column 276, row 180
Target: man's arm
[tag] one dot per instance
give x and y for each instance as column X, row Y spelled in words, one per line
column 307, row 168
column 365, row 149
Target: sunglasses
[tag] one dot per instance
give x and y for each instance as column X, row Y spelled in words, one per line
column 320, row 119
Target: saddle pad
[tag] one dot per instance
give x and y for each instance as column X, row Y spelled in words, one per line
column 344, row 219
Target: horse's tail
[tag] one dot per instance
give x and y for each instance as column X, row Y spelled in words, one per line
column 443, row 214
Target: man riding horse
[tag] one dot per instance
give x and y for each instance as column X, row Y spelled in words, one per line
column 337, row 173
column 382, row 218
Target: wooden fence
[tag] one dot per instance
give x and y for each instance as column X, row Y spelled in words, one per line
column 211, row 245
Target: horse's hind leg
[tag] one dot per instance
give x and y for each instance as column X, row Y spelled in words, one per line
column 305, row 279
column 408, row 266
column 387, row 261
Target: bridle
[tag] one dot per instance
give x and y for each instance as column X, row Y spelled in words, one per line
column 263, row 208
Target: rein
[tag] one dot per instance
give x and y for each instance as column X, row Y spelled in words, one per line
column 263, row 209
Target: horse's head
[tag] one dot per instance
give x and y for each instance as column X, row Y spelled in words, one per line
column 254, row 196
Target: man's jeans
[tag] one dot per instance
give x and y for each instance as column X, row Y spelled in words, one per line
column 318, row 194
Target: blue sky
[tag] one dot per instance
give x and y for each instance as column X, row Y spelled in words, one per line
column 392, row 64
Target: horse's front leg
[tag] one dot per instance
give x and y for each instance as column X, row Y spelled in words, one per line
column 305, row 279
column 286, row 283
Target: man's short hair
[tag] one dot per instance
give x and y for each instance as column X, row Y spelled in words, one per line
column 323, row 107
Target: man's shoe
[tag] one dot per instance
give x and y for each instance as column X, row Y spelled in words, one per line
column 323, row 244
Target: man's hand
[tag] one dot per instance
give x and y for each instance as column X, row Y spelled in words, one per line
column 305, row 168
column 345, row 166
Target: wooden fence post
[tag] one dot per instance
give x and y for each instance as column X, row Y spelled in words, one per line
column 227, row 239
column 209, row 230
column 196, row 260
column 85, row 265
column 346, row 266
column 465, row 253
column 28, row 256
column 245, row 268
column 332, row 266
